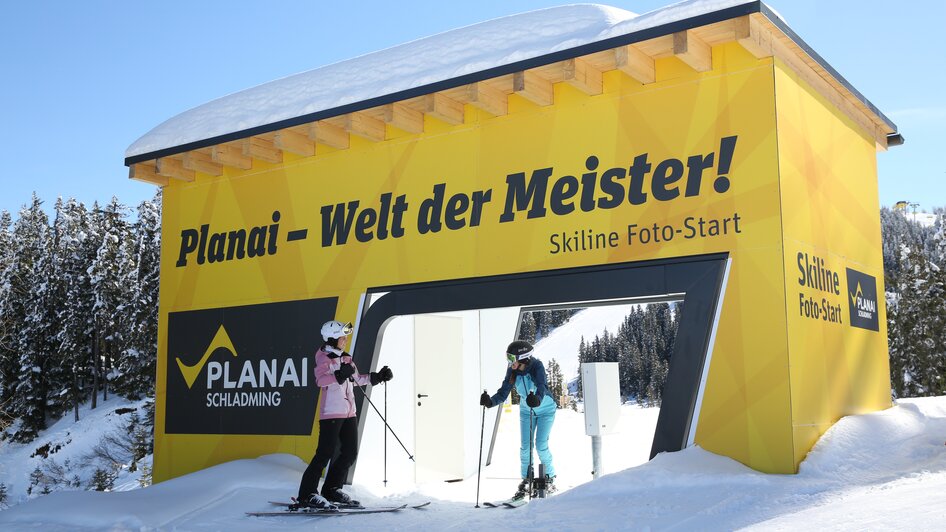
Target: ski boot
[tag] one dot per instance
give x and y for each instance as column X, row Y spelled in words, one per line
column 549, row 485
column 313, row 502
column 522, row 491
column 340, row 498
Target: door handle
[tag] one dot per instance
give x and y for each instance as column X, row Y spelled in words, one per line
column 420, row 395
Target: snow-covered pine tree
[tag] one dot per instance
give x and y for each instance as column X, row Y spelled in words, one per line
column 74, row 337
column 625, row 370
column 898, row 231
column 135, row 366
column 582, row 358
column 107, row 291
column 8, row 318
column 53, row 301
column 915, row 326
column 31, row 249
column 556, row 381
column 527, row 328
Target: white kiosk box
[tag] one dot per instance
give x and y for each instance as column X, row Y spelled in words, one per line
column 602, row 395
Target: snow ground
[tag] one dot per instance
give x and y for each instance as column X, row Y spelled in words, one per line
column 884, row 470
column 923, row 218
column 76, row 441
column 562, row 343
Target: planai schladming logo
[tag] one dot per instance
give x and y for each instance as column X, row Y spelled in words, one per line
column 257, row 384
column 221, row 340
column 862, row 302
column 244, row 370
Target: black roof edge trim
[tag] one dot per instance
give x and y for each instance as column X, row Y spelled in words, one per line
column 895, row 139
column 561, row 55
column 782, row 25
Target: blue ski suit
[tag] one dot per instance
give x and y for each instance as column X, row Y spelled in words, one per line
column 531, row 379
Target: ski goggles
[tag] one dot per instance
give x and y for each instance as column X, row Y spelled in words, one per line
column 513, row 358
column 347, row 329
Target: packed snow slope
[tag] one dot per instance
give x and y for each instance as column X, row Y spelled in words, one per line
column 70, row 445
column 884, row 470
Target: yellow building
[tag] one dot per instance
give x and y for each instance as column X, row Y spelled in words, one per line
column 707, row 156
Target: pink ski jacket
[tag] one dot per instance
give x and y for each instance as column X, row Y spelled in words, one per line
column 336, row 401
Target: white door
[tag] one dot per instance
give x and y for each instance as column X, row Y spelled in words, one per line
column 438, row 411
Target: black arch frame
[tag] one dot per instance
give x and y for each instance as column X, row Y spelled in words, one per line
column 699, row 279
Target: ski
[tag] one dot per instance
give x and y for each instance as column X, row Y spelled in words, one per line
column 516, row 503
column 324, row 513
column 508, row 503
column 416, row 506
column 339, row 505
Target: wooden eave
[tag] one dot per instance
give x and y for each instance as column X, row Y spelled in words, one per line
column 752, row 25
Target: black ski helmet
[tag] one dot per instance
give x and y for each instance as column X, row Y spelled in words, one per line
column 520, row 349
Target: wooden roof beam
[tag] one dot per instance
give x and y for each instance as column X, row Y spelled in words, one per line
column 170, row 167
column 580, row 74
column 693, row 51
column 753, row 37
column 231, row 155
column 533, row 87
column 443, row 108
column 635, row 64
column 261, row 148
column 147, row 173
column 201, row 162
column 487, row 98
column 362, row 125
column 820, row 81
column 330, row 135
column 294, row 142
column 404, row 118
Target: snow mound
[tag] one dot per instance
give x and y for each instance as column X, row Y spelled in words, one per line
column 431, row 59
column 476, row 48
column 883, row 470
column 914, row 427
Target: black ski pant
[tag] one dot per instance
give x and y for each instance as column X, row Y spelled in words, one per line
column 331, row 433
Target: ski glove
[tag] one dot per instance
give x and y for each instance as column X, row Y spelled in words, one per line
column 383, row 375
column 532, row 400
column 342, row 373
column 486, row 401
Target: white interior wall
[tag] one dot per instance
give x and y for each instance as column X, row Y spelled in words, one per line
column 486, row 333
column 397, row 352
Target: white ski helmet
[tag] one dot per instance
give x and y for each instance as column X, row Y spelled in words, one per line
column 335, row 329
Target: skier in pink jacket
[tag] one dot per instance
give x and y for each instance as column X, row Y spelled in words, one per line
column 336, row 376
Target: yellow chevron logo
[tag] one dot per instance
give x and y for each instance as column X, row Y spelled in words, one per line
column 221, row 339
column 857, row 294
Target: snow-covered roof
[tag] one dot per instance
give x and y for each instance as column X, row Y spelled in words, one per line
column 450, row 59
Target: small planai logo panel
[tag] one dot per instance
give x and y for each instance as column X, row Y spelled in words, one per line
column 862, row 300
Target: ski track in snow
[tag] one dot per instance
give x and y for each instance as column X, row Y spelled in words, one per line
column 884, row 470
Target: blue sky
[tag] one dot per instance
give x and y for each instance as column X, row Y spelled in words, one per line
column 83, row 80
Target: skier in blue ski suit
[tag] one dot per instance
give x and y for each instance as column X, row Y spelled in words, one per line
column 536, row 409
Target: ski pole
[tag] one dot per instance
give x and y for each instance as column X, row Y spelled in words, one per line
column 479, row 464
column 531, row 476
column 365, row 395
column 385, row 435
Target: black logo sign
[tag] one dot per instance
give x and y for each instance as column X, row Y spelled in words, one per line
column 862, row 300
column 244, row 370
